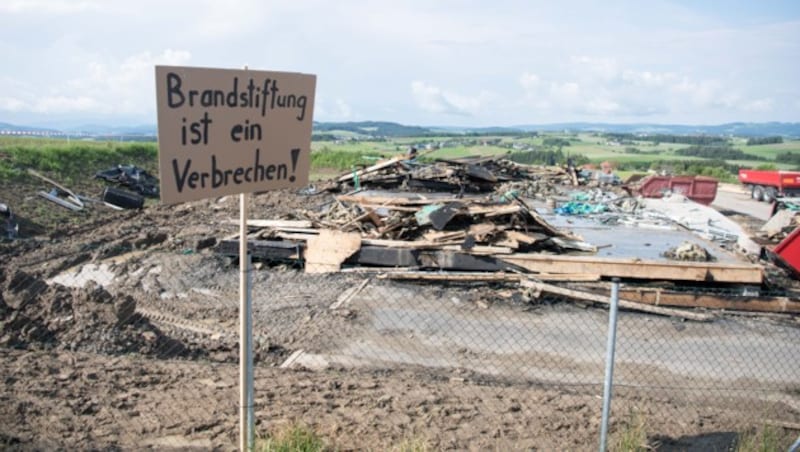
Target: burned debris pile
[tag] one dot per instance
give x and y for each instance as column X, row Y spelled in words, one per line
column 464, row 175
column 483, row 221
column 414, row 231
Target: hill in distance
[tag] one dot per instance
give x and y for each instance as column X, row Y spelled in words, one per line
column 369, row 129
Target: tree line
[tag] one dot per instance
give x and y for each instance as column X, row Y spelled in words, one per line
column 725, row 152
column 542, row 157
column 788, row 157
column 764, row 140
column 668, row 138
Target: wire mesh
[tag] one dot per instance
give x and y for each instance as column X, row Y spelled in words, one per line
column 140, row 350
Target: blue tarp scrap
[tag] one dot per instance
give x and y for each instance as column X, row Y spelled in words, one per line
column 580, row 208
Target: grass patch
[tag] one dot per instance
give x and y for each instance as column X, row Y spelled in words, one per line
column 342, row 160
column 297, row 437
column 465, row 151
column 632, row 436
column 765, row 439
column 293, row 438
column 412, row 445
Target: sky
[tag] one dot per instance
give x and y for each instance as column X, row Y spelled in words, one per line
column 417, row 62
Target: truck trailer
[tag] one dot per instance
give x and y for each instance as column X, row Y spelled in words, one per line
column 768, row 185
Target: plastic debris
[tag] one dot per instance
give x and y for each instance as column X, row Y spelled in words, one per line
column 132, row 177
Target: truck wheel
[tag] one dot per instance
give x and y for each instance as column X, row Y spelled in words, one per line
column 769, row 194
column 758, row 192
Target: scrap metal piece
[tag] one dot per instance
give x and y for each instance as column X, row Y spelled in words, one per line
column 437, row 215
column 10, row 226
column 68, row 200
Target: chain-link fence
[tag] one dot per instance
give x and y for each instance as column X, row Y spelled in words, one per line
column 140, row 349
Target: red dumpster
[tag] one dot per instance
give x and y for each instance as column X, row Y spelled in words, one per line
column 789, row 250
column 700, row 189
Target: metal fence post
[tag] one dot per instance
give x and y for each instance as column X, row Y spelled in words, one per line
column 796, row 446
column 609, row 376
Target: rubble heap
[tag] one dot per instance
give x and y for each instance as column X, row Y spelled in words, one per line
column 464, row 175
column 414, row 231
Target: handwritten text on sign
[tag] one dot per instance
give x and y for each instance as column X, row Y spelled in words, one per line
column 224, row 131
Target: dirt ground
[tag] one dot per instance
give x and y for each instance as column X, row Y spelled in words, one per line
column 145, row 357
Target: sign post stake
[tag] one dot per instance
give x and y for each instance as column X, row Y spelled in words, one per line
column 225, row 132
column 245, row 331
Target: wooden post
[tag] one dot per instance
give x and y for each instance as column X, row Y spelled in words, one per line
column 245, row 357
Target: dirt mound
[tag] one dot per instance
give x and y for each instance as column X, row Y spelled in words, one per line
column 36, row 315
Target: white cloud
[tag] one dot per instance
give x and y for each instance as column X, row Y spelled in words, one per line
column 343, row 109
column 220, row 19
column 66, row 104
column 433, row 99
column 648, row 79
column 758, row 105
column 49, row 6
column 605, row 68
column 530, row 83
column 475, row 63
column 107, row 87
column 602, row 106
column 11, row 104
column 602, row 88
column 338, row 110
column 565, row 92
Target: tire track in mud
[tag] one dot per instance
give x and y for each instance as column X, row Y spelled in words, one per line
column 182, row 323
column 174, row 321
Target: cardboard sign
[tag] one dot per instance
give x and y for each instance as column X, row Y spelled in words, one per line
column 223, row 131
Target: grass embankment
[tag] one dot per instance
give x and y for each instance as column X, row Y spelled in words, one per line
column 70, row 162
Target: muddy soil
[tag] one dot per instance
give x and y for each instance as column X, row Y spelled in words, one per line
column 146, row 358
column 78, row 401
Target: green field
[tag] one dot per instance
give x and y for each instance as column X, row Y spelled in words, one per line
column 79, row 158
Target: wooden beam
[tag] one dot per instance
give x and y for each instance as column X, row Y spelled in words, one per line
column 409, row 244
column 385, row 257
column 477, row 276
column 528, row 238
column 453, row 277
column 295, row 236
column 479, row 250
column 386, row 201
column 376, row 167
column 263, row 249
column 661, row 297
column 566, row 277
column 626, row 304
column 278, row 224
column 348, row 295
column 444, row 236
column 493, row 210
column 389, row 207
column 638, row 269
